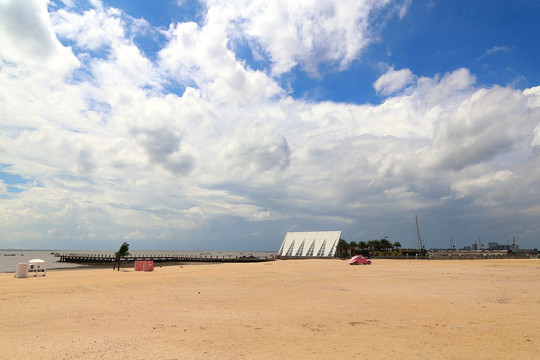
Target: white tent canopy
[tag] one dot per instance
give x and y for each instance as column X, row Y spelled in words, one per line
column 37, row 261
column 310, row 244
column 37, row 265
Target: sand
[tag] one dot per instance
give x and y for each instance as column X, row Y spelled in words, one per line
column 295, row 309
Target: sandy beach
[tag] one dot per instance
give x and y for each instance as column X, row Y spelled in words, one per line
column 296, row 309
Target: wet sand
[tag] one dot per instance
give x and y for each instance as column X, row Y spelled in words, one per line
column 296, row 309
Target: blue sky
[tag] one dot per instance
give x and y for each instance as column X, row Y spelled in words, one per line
column 222, row 125
column 496, row 41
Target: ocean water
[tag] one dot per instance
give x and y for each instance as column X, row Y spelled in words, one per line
column 10, row 258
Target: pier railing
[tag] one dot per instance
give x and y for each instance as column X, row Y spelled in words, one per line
column 108, row 258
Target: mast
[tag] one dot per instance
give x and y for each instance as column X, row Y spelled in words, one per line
column 420, row 243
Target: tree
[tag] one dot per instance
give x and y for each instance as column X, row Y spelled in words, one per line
column 352, row 246
column 362, row 245
column 397, row 245
column 385, row 244
column 122, row 252
column 374, row 245
column 342, row 247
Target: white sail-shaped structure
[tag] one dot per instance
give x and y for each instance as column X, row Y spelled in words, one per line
column 310, row 244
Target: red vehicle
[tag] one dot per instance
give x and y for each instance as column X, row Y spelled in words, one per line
column 359, row 259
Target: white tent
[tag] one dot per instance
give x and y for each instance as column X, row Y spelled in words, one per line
column 37, row 265
column 22, row 270
column 310, row 244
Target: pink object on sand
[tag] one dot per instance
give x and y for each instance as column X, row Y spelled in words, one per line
column 359, row 259
column 148, row 265
column 139, row 265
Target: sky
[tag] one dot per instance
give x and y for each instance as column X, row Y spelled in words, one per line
column 222, row 125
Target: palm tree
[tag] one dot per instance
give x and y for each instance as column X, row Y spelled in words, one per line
column 397, row 245
column 385, row 244
column 342, row 246
column 122, row 252
column 362, row 245
column 352, row 246
column 374, row 245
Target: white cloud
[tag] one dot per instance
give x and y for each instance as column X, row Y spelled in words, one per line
column 256, row 148
column 495, row 49
column 467, row 128
column 533, row 102
column 27, row 39
column 302, row 33
column 491, row 122
column 133, row 235
column 91, row 30
column 3, row 188
column 68, row 3
column 481, row 185
column 201, row 56
column 393, row 81
column 403, row 8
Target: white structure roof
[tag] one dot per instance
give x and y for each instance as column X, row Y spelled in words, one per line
column 310, row 244
column 38, row 265
column 36, row 261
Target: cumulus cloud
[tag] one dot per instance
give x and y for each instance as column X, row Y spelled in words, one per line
column 302, row 33
column 490, row 122
column 466, row 126
column 483, row 184
column 163, row 147
column 533, row 103
column 393, row 80
column 91, row 30
column 256, row 148
column 200, row 56
column 3, row 188
column 27, row 38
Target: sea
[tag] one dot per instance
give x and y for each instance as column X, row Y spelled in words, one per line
column 10, row 258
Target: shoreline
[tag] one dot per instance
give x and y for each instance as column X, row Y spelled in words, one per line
column 188, row 263
column 80, row 267
column 9, row 263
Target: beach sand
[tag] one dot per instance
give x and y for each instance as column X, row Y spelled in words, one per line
column 295, row 309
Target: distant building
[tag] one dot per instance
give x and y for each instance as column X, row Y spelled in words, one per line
column 310, row 244
column 412, row 252
column 497, row 246
column 494, row 246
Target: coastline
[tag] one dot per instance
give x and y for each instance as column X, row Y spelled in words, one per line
column 302, row 309
column 8, row 264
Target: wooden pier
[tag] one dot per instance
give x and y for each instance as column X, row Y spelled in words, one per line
column 104, row 259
